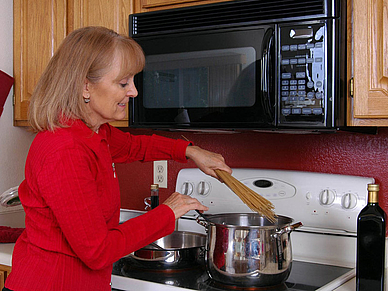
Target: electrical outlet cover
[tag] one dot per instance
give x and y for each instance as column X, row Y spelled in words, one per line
column 160, row 173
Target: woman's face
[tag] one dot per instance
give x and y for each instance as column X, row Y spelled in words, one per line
column 109, row 97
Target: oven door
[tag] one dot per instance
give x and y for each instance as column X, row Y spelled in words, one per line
column 220, row 78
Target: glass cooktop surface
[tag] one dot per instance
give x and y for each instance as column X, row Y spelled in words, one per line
column 304, row 276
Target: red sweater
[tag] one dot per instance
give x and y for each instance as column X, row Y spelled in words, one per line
column 72, row 202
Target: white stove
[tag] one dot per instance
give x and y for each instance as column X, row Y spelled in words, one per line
column 326, row 204
column 11, row 211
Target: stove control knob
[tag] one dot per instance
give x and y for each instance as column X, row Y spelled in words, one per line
column 203, row 188
column 349, row 201
column 326, row 197
column 187, row 188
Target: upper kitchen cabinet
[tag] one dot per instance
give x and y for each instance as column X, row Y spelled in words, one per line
column 39, row 28
column 368, row 64
column 111, row 14
column 153, row 5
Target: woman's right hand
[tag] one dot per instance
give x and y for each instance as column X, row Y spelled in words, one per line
column 181, row 204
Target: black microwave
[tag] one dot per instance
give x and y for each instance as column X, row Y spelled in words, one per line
column 243, row 64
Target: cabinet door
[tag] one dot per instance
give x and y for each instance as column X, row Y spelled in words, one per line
column 370, row 63
column 111, row 14
column 4, row 271
column 2, row 279
column 39, row 27
column 153, row 5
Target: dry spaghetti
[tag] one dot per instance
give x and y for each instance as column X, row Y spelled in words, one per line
column 253, row 200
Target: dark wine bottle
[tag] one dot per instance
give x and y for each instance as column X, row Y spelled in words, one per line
column 154, row 195
column 371, row 244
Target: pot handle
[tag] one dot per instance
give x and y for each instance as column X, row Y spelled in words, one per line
column 279, row 247
column 279, row 252
column 294, row 226
column 288, row 228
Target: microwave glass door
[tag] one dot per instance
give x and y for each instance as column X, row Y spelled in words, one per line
column 208, row 78
column 202, row 79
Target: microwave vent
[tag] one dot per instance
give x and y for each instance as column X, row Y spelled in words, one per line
column 230, row 13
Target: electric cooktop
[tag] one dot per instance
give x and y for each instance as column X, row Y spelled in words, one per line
column 304, row 276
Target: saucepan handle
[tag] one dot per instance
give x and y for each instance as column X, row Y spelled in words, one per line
column 202, row 220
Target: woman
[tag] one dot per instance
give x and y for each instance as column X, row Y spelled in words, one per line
column 70, row 193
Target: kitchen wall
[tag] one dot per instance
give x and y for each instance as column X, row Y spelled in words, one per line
column 14, row 141
column 339, row 153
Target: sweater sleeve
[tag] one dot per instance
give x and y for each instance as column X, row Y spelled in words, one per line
column 126, row 148
column 74, row 220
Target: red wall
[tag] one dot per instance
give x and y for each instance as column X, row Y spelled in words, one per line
column 338, row 153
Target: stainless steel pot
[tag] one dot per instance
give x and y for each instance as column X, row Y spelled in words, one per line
column 178, row 250
column 248, row 250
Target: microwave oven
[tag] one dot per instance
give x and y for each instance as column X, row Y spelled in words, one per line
column 243, row 64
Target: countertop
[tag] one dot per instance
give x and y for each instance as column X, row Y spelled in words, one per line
column 6, row 254
column 348, row 286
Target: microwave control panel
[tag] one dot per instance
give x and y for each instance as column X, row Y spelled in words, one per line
column 302, row 82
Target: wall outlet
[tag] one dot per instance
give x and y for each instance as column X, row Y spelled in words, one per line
column 160, row 173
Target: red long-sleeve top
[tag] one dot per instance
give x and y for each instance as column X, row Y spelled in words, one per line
column 72, row 202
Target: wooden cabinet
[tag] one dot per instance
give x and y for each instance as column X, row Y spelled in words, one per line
column 36, row 38
column 4, row 271
column 111, row 14
column 368, row 62
column 153, row 5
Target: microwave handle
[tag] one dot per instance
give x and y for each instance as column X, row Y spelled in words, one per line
column 267, row 73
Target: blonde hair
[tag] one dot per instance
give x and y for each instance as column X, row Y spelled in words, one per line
column 86, row 53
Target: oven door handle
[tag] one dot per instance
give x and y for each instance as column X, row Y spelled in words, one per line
column 267, row 73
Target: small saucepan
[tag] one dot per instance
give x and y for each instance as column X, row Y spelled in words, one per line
column 179, row 250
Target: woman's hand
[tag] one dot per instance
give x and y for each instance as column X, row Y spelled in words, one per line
column 207, row 161
column 181, row 204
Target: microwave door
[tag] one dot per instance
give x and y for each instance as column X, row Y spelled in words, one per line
column 213, row 80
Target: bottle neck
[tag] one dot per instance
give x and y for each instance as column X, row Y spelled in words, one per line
column 373, row 197
column 154, row 192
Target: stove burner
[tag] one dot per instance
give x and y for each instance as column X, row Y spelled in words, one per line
column 185, row 277
column 215, row 285
column 166, row 272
